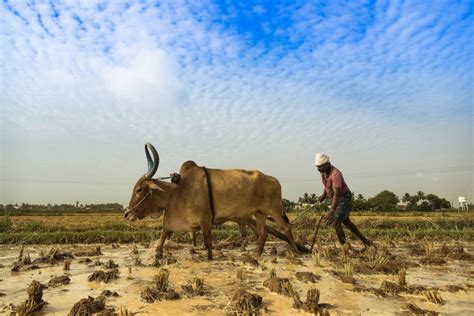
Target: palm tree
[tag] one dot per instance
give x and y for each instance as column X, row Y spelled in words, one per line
column 406, row 197
column 420, row 195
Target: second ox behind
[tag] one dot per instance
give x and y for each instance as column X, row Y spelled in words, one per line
column 203, row 197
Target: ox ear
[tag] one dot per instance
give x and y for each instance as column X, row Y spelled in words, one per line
column 155, row 186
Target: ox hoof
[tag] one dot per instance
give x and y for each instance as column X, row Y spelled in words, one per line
column 158, row 255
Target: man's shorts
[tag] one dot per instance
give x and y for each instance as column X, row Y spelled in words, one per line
column 343, row 207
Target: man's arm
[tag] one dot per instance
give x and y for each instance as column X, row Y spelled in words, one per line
column 322, row 197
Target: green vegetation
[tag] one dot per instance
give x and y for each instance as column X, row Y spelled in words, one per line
column 5, row 223
column 380, row 218
column 97, row 227
column 384, row 201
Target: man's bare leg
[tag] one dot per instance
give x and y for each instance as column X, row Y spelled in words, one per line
column 356, row 232
column 339, row 232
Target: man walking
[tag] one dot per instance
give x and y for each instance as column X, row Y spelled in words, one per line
column 341, row 199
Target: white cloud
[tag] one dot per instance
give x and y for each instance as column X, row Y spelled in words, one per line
column 368, row 85
column 147, row 79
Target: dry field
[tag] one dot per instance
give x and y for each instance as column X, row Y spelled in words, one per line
column 404, row 275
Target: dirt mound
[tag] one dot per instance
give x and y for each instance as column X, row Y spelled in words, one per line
column 89, row 253
column 150, row 295
column 248, row 259
column 88, row 306
column 111, row 265
column 85, row 260
column 307, row 277
column 198, row 290
column 455, row 252
column 228, row 245
column 109, row 293
column 23, row 263
column 58, row 281
column 54, row 255
column 160, row 290
column 278, row 285
column 388, row 288
column 21, row 267
column 375, row 291
column 345, row 278
column 244, row 303
column 464, row 256
column 35, row 301
column 379, row 261
column 311, row 305
column 159, row 262
column 416, row 250
column 432, row 261
column 454, row 288
column 392, row 288
column 104, row 276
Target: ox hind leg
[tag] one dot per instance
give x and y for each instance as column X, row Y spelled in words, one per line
column 279, row 218
column 243, row 230
column 261, row 233
column 165, row 234
column 207, row 235
column 193, row 236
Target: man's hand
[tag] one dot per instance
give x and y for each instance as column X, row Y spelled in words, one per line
column 321, row 199
column 329, row 217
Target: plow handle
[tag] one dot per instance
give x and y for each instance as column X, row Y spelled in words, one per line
column 316, row 232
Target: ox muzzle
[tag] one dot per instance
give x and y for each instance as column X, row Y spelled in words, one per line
column 129, row 215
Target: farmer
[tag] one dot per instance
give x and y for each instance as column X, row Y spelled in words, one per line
column 336, row 188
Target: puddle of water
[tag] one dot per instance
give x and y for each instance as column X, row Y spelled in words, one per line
column 220, row 278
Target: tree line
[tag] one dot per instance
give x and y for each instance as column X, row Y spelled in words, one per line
column 383, row 201
column 25, row 208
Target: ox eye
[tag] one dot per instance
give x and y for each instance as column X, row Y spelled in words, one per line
column 139, row 190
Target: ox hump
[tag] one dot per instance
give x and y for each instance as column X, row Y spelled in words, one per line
column 187, row 166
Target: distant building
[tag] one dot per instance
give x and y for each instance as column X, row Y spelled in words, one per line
column 402, row 205
column 463, row 205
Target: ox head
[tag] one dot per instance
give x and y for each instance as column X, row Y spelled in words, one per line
column 146, row 195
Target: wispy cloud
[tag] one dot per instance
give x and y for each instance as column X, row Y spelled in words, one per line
column 263, row 86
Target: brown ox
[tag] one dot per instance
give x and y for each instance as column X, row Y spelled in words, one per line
column 237, row 195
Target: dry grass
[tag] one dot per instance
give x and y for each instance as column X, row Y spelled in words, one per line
column 348, row 269
column 317, row 258
column 402, row 277
column 67, row 264
column 433, row 296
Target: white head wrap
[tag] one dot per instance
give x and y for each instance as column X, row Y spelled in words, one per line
column 321, row 159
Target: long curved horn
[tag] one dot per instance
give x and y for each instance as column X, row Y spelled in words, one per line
column 152, row 163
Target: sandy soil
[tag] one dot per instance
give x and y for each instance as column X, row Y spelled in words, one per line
column 220, row 280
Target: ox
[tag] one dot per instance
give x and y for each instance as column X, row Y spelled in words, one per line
column 203, row 197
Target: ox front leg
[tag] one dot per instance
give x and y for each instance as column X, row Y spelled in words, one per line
column 193, row 236
column 207, row 234
column 243, row 231
column 261, row 233
column 279, row 220
column 165, row 234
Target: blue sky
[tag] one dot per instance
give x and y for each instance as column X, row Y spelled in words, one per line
column 383, row 87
